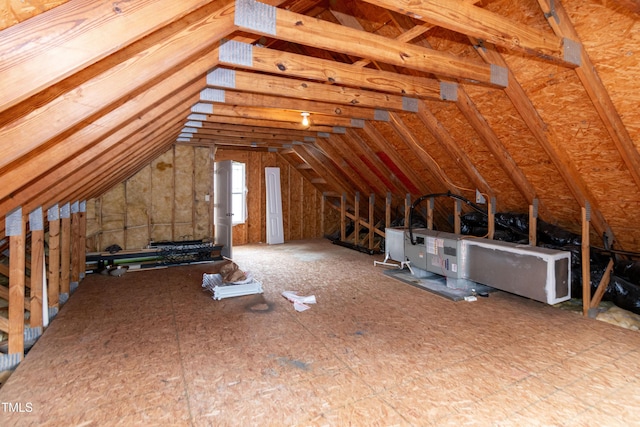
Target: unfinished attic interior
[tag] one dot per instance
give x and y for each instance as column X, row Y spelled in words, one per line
column 303, row 140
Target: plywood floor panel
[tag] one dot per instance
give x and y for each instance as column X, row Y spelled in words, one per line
column 153, row 348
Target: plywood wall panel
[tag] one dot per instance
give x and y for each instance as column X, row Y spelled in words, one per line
column 296, row 206
column 255, row 230
column 580, row 133
column 527, row 153
column 285, row 179
column 309, row 210
column 508, row 197
column 12, row 12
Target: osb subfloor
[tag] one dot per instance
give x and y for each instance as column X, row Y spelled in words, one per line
column 152, row 348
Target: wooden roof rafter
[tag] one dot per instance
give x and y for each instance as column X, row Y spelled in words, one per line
column 76, row 33
column 141, row 114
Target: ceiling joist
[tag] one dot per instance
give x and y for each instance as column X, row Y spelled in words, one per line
column 308, row 31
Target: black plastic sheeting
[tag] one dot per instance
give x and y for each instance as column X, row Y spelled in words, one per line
column 624, row 284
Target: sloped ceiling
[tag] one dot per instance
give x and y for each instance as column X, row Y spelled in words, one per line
column 523, row 100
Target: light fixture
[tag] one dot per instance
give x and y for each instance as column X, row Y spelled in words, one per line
column 305, row 118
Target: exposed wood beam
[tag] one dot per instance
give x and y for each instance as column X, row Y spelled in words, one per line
column 442, row 136
column 270, row 101
column 295, row 88
column 244, row 136
column 548, row 140
column 266, row 124
column 314, row 32
column 215, row 128
column 279, row 115
column 307, row 67
column 465, row 18
column 561, row 23
column 53, row 45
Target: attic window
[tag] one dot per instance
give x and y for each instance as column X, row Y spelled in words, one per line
column 238, row 193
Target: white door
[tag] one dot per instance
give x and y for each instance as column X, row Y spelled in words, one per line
column 223, row 217
column 275, row 232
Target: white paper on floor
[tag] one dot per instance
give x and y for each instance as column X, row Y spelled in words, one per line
column 299, row 302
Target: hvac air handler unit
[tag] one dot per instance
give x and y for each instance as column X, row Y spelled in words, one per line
column 538, row 273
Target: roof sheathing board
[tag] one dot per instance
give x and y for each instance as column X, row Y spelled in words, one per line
column 527, row 153
column 508, row 198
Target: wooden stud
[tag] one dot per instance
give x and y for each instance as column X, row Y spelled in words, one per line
column 65, row 249
column 54, row 256
column 372, row 204
column 16, row 231
column 456, row 216
column 75, row 243
column 545, row 136
column 25, row 55
column 323, row 212
column 343, row 217
column 82, row 217
column 430, row 207
column 596, row 90
column 533, row 223
column 491, row 221
column 356, row 221
column 212, row 160
column 387, row 211
column 407, row 210
column 302, row 66
column 37, row 267
column 586, row 260
column 464, row 17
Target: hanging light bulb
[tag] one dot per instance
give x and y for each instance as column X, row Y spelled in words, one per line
column 305, row 118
